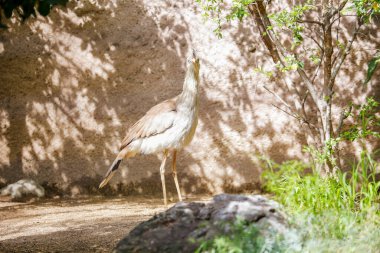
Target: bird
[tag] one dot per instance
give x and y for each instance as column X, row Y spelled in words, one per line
column 166, row 128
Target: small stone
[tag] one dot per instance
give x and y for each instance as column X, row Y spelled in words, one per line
column 23, row 188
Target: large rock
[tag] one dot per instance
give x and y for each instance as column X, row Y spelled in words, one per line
column 184, row 226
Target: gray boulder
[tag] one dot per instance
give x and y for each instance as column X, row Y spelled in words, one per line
column 22, row 189
column 183, row 227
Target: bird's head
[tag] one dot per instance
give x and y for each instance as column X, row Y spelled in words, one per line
column 193, row 62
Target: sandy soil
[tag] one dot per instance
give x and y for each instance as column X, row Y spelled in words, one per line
column 93, row 224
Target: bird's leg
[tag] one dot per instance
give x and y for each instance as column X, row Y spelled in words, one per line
column 174, row 172
column 162, row 172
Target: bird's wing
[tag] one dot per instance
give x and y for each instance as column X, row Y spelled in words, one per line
column 158, row 119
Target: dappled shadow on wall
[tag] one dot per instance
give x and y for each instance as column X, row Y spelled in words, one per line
column 72, row 83
column 63, row 99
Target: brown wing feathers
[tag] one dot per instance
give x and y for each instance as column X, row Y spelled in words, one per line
column 143, row 128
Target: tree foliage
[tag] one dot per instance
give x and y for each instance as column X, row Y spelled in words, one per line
column 318, row 48
column 372, row 65
column 26, row 8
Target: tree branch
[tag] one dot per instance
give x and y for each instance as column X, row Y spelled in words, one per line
column 328, row 49
column 264, row 17
column 341, row 6
column 279, row 98
column 263, row 33
column 258, row 10
column 336, row 11
column 316, row 42
column 310, row 22
column 310, row 87
column 288, row 113
column 272, row 48
column 303, row 105
column 342, row 56
column 327, row 69
column 317, row 70
column 343, row 115
column 312, row 35
column 302, row 118
column 339, row 17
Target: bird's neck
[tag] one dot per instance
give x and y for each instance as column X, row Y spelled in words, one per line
column 189, row 96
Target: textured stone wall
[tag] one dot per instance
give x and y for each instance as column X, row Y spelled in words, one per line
column 72, row 83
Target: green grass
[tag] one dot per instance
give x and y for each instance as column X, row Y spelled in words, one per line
column 236, row 241
column 244, row 237
column 330, row 214
column 356, row 191
column 333, row 214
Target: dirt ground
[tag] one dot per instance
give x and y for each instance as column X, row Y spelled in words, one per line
column 93, row 224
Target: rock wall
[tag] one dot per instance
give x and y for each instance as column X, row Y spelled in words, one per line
column 72, row 83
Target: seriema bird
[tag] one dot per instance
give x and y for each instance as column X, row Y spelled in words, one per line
column 166, row 127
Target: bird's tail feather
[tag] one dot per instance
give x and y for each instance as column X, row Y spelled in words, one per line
column 111, row 171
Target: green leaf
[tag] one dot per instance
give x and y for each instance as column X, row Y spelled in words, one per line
column 372, row 65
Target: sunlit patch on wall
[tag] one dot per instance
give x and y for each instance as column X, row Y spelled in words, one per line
column 72, row 53
column 55, row 78
column 4, row 148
